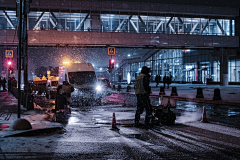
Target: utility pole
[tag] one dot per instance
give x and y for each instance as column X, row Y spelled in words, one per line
column 23, row 8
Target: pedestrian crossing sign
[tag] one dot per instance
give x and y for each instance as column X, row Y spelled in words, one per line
column 9, row 53
column 111, row 51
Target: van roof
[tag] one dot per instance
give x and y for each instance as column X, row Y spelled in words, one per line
column 80, row 67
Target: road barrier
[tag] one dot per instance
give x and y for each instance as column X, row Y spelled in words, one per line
column 217, row 95
column 174, row 91
column 128, row 89
column 119, row 87
column 199, row 93
column 162, row 92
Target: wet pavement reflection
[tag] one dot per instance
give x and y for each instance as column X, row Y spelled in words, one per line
column 191, row 111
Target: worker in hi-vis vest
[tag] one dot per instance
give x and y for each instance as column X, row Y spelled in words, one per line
column 142, row 90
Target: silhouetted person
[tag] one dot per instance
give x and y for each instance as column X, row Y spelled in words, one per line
column 4, row 83
column 157, row 80
column 164, row 81
column 168, row 81
column 142, row 91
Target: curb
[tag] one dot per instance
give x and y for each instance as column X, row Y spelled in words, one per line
column 33, row 132
column 200, row 100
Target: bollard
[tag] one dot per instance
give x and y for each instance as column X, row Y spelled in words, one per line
column 29, row 102
column 162, row 92
column 119, row 87
column 128, row 89
column 174, row 91
column 217, row 95
column 199, row 93
column 114, row 87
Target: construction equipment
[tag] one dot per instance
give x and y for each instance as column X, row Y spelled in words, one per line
column 162, row 113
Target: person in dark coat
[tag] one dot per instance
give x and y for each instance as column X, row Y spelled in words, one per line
column 157, row 80
column 164, row 81
column 4, row 83
column 63, row 95
column 168, row 81
column 142, row 91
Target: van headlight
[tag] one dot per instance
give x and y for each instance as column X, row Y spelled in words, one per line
column 98, row 88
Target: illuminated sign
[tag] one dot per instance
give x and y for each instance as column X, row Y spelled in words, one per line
column 9, row 53
column 111, row 51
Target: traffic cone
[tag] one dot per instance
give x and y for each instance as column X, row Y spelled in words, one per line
column 204, row 117
column 114, row 126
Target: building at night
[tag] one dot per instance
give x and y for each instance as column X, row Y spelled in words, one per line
column 194, row 43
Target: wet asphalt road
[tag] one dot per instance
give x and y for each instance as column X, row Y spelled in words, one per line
column 88, row 135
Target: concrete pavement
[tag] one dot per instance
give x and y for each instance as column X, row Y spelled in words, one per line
column 39, row 119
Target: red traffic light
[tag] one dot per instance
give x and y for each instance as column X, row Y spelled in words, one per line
column 112, row 60
column 9, row 63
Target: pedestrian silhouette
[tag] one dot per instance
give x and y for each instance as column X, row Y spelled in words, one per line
column 164, row 81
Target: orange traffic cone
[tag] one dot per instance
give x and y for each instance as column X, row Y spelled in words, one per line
column 204, row 117
column 114, row 127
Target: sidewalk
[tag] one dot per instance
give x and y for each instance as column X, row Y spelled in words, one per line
column 8, row 113
column 187, row 92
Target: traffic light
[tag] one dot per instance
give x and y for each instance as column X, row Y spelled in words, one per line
column 10, row 69
column 111, row 63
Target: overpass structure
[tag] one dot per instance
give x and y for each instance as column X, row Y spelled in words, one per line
column 190, row 42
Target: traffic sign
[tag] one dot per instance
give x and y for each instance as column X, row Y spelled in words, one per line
column 9, row 53
column 111, row 51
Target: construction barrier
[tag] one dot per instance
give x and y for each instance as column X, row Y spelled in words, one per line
column 199, row 93
column 162, row 92
column 119, row 87
column 174, row 91
column 217, row 95
column 128, row 89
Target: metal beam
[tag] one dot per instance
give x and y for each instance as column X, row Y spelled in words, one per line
column 194, row 27
column 140, row 18
column 8, row 19
column 180, row 20
column 173, row 30
column 169, row 21
column 39, row 20
column 158, row 26
column 82, row 21
column 138, row 59
column 220, row 27
column 205, row 26
column 104, row 26
column 134, row 26
column 54, row 25
column 120, row 25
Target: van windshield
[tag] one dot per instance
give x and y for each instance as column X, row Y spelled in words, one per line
column 80, row 78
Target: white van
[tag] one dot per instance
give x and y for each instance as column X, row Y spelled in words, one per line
column 83, row 78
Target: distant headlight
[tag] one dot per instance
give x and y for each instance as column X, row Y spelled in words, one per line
column 98, row 88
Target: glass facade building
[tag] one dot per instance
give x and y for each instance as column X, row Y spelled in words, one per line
column 185, row 65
